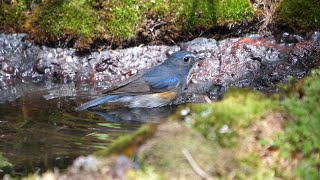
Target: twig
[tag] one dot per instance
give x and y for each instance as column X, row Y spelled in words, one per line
column 207, row 99
column 195, row 166
column 157, row 25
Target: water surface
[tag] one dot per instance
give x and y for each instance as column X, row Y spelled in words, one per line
column 40, row 130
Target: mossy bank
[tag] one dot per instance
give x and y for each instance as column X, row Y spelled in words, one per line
column 85, row 23
column 299, row 14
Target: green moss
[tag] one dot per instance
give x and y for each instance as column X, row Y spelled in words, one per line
column 125, row 141
column 252, row 167
column 303, row 13
column 164, row 153
column 118, row 21
column 193, row 14
column 5, row 166
column 233, row 11
column 147, row 173
column 301, row 135
column 61, row 18
column 12, row 15
column 124, row 17
column 221, row 121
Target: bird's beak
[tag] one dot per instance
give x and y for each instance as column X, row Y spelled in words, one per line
column 200, row 57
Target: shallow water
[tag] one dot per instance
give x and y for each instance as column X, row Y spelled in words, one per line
column 40, row 129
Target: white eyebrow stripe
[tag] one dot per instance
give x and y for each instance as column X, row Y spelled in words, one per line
column 189, row 55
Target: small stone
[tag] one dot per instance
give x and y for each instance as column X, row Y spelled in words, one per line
column 87, row 163
column 185, row 111
column 7, row 68
column 224, row 129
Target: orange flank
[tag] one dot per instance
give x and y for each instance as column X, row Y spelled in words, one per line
column 168, row 95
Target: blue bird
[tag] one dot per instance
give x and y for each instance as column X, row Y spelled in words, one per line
column 155, row 87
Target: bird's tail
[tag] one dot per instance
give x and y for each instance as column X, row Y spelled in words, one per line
column 96, row 102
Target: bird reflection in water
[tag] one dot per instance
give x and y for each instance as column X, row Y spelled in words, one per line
column 135, row 115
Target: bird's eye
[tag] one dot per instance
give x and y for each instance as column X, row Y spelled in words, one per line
column 186, row 59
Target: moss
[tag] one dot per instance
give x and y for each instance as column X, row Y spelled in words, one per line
column 303, row 13
column 253, row 167
column 164, row 153
column 301, row 136
column 5, row 166
column 119, row 21
column 233, row 11
column 122, row 18
column 12, row 15
column 125, row 141
column 147, row 173
column 193, row 14
column 63, row 19
column 221, row 121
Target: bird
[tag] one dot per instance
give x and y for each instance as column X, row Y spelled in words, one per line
column 154, row 87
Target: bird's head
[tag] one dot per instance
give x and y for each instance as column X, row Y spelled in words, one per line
column 183, row 59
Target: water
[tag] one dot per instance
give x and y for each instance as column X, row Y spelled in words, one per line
column 40, row 130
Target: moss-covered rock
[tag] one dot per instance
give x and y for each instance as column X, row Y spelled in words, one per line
column 300, row 140
column 81, row 22
column 228, row 12
column 53, row 20
column 120, row 19
column 223, row 120
column 301, row 13
column 166, row 153
column 128, row 143
column 12, row 16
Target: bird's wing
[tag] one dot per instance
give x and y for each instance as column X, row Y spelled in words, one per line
column 153, row 81
column 118, row 85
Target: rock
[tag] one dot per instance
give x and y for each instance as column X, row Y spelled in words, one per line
column 250, row 61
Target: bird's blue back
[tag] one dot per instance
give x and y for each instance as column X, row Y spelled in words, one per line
column 162, row 78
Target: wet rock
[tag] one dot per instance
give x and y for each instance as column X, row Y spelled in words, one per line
column 238, row 62
column 123, row 164
column 290, row 38
column 7, row 67
column 250, row 61
column 85, row 163
column 315, row 36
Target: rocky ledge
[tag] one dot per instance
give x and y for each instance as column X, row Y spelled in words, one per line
column 250, row 61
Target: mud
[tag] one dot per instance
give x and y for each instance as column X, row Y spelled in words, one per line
column 250, row 61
